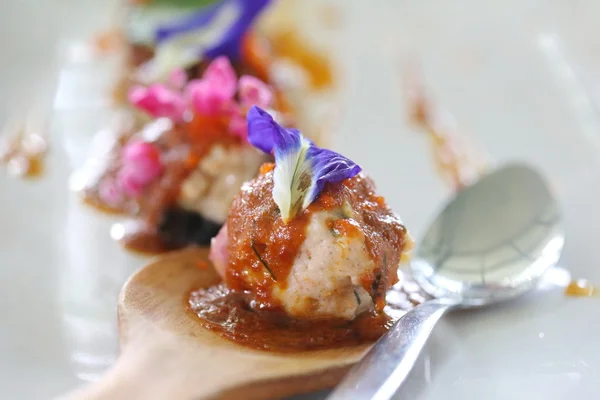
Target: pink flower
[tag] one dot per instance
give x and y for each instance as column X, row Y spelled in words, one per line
column 141, row 166
column 158, row 100
column 129, row 182
column 110, row 192
column 213, row 94
column 218, row 251
column 205, row 97
column 254, row 92
column 221, row 73
column 140, row 151
column 177, row 78
column 238, row 126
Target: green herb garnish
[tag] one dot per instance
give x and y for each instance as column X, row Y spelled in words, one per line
column 262, row 261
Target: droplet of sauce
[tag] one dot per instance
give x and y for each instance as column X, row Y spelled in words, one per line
column 109, row 41
column 581, row 288
column 23, row 155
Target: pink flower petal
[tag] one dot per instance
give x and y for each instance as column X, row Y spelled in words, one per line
column 110, row 192
column 129, row 182
column 207, row 97
column 218, row 251
column 254, row 92
column 141, row 165
column 238, row 126
column 137, row 150
column 222, row 75
column 177, row 78
column 146, row 171
column 158, row 100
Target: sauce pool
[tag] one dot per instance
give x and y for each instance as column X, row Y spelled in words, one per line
column 237, row 317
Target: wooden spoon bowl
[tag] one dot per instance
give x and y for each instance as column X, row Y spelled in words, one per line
column 166, row 354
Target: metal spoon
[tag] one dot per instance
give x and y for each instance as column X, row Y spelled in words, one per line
column 491, row 243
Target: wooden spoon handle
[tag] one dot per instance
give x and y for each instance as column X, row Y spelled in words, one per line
column 129, row 379
column 119, row 383
column 155, row 372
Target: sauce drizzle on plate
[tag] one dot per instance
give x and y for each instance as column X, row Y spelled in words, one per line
column 456, row 160
column 581, row 288
column 23, row 155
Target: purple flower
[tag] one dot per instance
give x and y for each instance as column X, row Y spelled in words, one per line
column 229, row 43
column 301, row 168
column 189, row 23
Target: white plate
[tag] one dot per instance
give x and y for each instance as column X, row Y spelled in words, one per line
column 519, row 76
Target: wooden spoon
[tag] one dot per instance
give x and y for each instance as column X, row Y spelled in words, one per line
column 166, row 354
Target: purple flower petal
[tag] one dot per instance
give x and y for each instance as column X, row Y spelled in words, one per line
column 230, row 43
column 328, row 166
column 197, row 20
column 267, row 135
column 296, row 159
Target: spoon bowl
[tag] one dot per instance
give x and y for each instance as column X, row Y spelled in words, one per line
column 491, row 243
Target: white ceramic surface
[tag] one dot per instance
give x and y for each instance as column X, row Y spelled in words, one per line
column 521, row 78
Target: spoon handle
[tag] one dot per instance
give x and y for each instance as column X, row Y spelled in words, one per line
column 155, row 368
column 385, row 367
